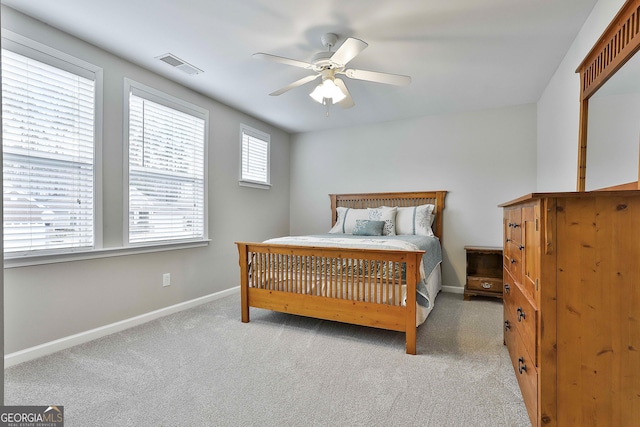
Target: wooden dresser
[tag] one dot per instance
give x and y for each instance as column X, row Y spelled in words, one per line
column 572, row 306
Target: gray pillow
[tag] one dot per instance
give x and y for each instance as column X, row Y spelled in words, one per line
column 367, row 227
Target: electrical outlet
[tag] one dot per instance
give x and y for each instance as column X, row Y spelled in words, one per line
column 166, row 279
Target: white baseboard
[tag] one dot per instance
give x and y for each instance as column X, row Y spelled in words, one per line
column 453, row 289
column 31, row 353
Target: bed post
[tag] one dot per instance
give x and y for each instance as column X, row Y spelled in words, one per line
column 439, row 222
column 334, row 207
column 244, row 282
column 413, row 277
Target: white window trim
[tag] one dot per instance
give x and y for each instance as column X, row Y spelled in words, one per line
column 131, row 86
column 43, row 53
column 32, row 260
column 260, row 135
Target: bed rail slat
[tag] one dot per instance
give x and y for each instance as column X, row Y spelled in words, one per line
column 360, row 275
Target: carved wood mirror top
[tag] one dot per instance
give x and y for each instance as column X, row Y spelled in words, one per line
column 619, row 42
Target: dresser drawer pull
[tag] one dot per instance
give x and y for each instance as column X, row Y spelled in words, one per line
column 515, row 225
column 487, row 285
column 507, row 325
column 508, row 240
column 521, row 247
column 521, row 314
column 513, row 260
column 507, row 288
column 522, row 368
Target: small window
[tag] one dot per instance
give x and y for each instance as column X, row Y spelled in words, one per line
column 254, row 158
column 167, row 167
column 49, row 132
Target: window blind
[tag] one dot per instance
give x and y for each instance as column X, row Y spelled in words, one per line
column 166, row 173
column 255, row 157
column 48, row 164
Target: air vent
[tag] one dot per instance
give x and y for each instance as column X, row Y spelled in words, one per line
column 178, row 63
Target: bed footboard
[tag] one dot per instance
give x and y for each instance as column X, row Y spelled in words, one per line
column 368, row 287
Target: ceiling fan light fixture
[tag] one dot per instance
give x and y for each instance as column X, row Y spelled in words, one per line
column 327, row 89
column 329, row 64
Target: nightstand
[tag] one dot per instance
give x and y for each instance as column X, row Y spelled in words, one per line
column 484, row 272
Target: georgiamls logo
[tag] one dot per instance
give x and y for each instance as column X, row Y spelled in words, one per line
column 32, row 416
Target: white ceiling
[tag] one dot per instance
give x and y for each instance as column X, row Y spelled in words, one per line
column 462, row 55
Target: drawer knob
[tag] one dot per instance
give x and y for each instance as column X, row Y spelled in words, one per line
column 507, row 288
column 521, row 314
column 508, row 240
column 507, row 325
column 513, row 260
column 515, row 225
column 487, row 285
column 521, row 247
column 522, row 368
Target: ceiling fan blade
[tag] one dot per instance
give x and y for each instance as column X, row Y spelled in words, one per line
column 283, row 60
column 348, row 101
column 374, row 76
column 349, row 50
column 295, row 84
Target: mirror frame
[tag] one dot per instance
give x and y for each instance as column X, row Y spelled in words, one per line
column 617, row 44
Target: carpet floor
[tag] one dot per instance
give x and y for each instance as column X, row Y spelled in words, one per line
column 203, row 367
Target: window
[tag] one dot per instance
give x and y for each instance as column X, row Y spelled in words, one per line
column 254, row 157
column 50, row 128
column 167, row 167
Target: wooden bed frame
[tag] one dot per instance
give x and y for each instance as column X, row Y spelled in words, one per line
column 303, row 280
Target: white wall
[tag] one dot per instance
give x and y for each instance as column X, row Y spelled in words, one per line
column 482, row 158
column 47, row 302
column 559, row 107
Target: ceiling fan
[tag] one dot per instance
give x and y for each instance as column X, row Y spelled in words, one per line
column 327, row 65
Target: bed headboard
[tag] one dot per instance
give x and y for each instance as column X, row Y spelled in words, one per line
column 373, row 200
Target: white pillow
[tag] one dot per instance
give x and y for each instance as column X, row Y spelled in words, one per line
column 415, row 220
column 347, row 218
column 388, row 215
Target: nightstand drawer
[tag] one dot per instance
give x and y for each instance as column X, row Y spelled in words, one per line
column 488, row 284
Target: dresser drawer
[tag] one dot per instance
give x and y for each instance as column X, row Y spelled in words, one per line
column 486, row 284
column 527, row 376
column 508, row 327
column 513, row 226
column 512, row 251
column 522, row 317
column 513, row 261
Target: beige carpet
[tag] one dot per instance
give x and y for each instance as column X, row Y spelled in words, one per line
column 203, row 367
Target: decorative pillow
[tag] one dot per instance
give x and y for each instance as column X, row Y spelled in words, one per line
column 366, row 227
column 388, row 215
column 415, row 220
column 347, row 218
